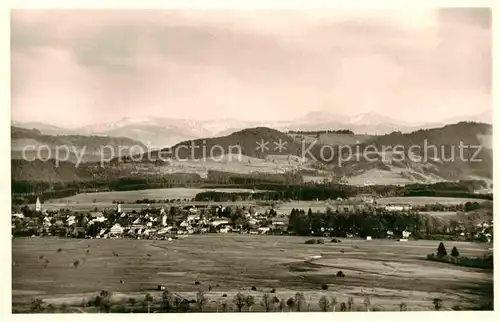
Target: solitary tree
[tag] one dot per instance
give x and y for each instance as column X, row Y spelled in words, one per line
column 63, row 308
column 454, row 252
column 239, row 301
column 131, row 302
column 402, row 306
column 367, row 303
column 266, row 301
column 37, row 306
column 50, row 308
column 299, row 301
column 324, row 303
column 441, row 251
column 166, row 301
column 148, row 299
column 249, row 302
column 104, row 301
column 201, row 300
column 343, row 307
column 290, row 303
column 350, row 302
column 334, row 303
column 438, row 304
column 282, row 304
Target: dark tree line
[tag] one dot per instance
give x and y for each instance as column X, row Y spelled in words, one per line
column 362, row 223
column 295, row 193
column 343, row 131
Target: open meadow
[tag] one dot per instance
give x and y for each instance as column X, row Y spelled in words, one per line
column 133, row 195
column 386, row 271
column 104, row 199
column 421, row 201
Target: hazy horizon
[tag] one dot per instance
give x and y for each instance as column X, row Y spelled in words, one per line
column 77, row 68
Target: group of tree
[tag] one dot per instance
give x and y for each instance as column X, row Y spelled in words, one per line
column 318, row 132
column 283, row 193
column 169, row 302
column 485, row 261
column 361, row 223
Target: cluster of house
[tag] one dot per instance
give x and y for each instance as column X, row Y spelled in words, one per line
column 484, row 231
column 363, row 201
column 120, row 224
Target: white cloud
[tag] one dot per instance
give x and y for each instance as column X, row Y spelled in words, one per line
column 73, row 68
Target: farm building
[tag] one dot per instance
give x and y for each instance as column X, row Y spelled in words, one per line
column 364, row 198
column 264, row 230
column 397, row 207
column 116, row 230
column 96, row 214
column 216, row 223
column 71, row 220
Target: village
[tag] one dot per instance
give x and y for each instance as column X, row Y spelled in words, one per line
column 177, row 220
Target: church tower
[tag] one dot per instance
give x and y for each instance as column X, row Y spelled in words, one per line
column 163, row 215
column 38, row 205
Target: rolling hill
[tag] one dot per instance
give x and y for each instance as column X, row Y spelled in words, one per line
column 86, row 148
column 248, row 140
column 388, row 168
column 429, row 155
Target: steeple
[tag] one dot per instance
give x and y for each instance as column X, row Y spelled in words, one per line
column 38, row 205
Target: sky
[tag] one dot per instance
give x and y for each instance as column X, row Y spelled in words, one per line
column 81, row 67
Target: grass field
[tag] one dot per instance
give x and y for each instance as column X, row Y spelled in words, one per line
column 132, row 196
column 389, row 272
column 419, row 201
column 103, row 200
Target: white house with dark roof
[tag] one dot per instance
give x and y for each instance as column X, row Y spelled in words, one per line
column 116, row 230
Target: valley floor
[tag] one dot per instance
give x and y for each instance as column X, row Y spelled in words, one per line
column 386, row 271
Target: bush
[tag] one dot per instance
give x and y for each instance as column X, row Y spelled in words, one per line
column 438, row 304
column 454, row 252
column 335, row 240
column 254, row 288
column 273, row 290
column 340, row 274
column 311, row 241
column 324, row 286
column 196, row 283
column 119, row 309
column 320, row 241
column 441, row 251
column 324, row 303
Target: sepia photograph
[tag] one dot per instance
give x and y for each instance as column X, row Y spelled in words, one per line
column 251, row 160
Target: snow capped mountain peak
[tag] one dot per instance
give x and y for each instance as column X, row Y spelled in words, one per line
column 321, row 116
column 371, row 118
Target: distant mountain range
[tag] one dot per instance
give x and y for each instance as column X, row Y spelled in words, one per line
column 157, row 133
column 390, row 170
